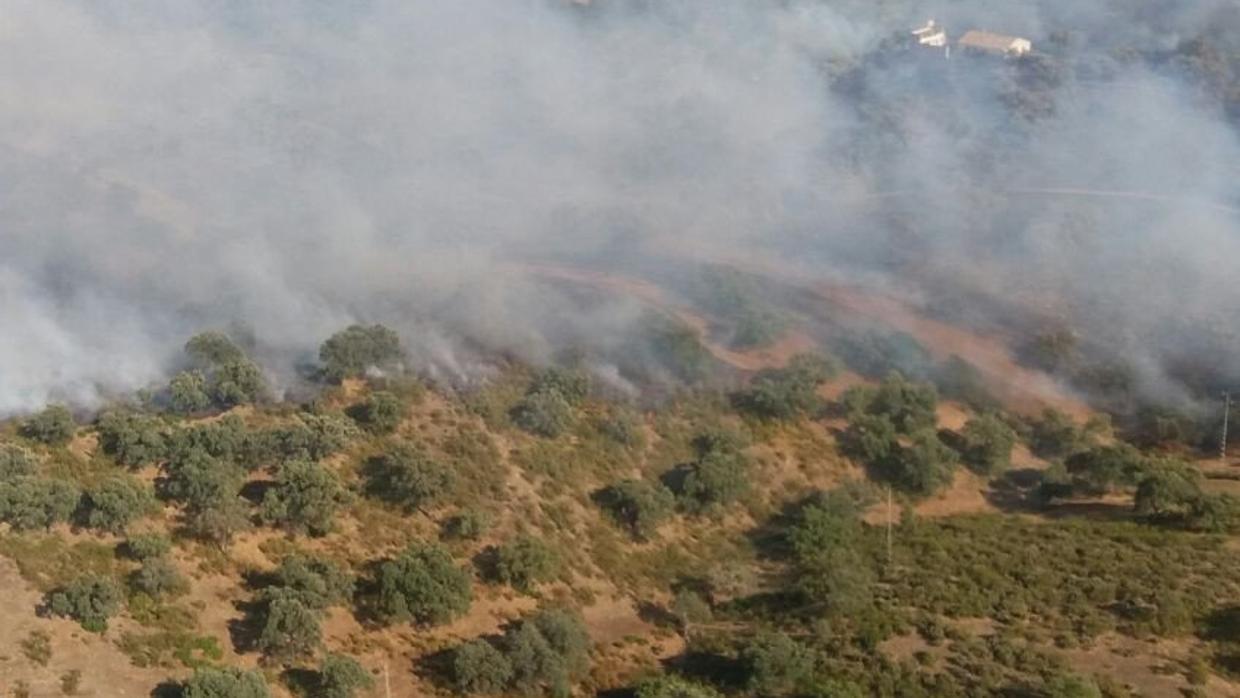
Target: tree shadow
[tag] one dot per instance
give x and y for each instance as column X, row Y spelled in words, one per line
column 301, row 682
column 1222, row 624
column 436, row 667
column 168, row 689
column 255, row 491
column 657, row 615
column 244, row 632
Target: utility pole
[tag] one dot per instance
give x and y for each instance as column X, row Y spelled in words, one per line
column 1222, row 445
column 387, row 684
column 888, row 525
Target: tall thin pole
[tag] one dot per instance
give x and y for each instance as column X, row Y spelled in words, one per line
column 387, row 684
column 888, row 525
column 1222, row 445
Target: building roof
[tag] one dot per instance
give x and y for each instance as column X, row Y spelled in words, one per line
column 987, row 41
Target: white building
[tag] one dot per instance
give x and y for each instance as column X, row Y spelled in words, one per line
column 931, row 35
column 1000, row 44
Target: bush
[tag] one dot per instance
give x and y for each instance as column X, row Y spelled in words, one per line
column 290, row 630
column 133, row 439
column 573, row 385
column 209, row 488
column 870, row 439
column 776, row 665
column 827, row 546
column 526, row 562
column 315, row 582
column 37, row 647
column 719, row 475
column 910, row 406
column 672, row 686
column 783, row 393
column 407, row 476
column 157, row 578
column 28, row 503
column 467, row 525
column 236, row 383
column 1102, row 469
column 639, row 506
column 89, row 600
column 546, row 414
column 230, row 682
column 212, row 348
column 354, row 351
column 478, row 667
column 986, row 444
column 16, row 462
column 116, row 502
column 380, row 413
column 148, row 546
column 1055, row 435
column 423, row 585
column 305, row 498
column 53, row 426
column 341, row 676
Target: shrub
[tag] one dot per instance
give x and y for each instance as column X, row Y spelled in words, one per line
column 549, row 651
column 526, row 562
column 132, row 438
column 236, row 383
column 116, row 502
column 407, row 476
column 357, row 349
column 341, row 676
column 53, row 426
column 478, row 667
column 639, row 506
column 910, row 406
column 1101, row 469
column 986, row 444
column 305, row 498
column 147, row 546
column 573, row 385
column 290, row 630
column 37, row 647
column 229, row 682
column 28, row 503
column 467, row 525
column 672, row 686
column 70, row 682
column 212, row 348
column 689, row 607
column 1055, row 435
column 546, row 413
column 870, row 439
column 826, row 543
column 89, row 600
column 380, row 413
column 423, row 585
column 719, row 476
column 158, row 577
column 209, row 488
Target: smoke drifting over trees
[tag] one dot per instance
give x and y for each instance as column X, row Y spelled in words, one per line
column 285, row 170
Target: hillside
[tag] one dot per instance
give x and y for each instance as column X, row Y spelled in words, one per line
column 772, row 523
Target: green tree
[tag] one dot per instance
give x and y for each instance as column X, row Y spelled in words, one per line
column 467, row 525
column 357, row 349
column 212, row 348
column 776, row 665
column 53, row 426
column 826, row 542
column 639, row 506
column 290, row 630
column 209, row 488
column 1055, row 435
column 870, row 438
column 548, row 652
column 305, row 498
column 478, row 667
column 341, row 676
column 90, row 600
column 690, row 608
column 922, row 468
column 572, row 384
column 16, row 461
column 783, row 393
column 132, row 438
column 226, row 682
column 116, row 502
column 28, row 503
column 406, row 475
column 526, row 562
column 187, row 392
column 237, row 383
column 719, row 475
column 987, row 443
column 423, row 585
column 672, row 686
column 381, row 412
column 316, row 582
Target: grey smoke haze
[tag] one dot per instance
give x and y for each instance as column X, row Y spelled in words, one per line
column 286, row 168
